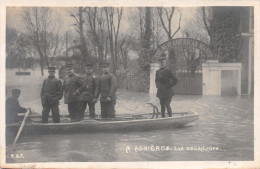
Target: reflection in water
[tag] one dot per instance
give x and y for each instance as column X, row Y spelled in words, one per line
column 226, row 124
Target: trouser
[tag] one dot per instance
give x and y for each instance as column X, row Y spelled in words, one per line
column 91, row 106
column 76, row 111
column 54, row 110
column 166, row 103
column 108, row 109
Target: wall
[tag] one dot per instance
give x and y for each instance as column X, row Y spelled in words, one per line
column 221, row 78
column 153, row 68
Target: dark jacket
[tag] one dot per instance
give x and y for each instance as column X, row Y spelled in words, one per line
column 107, row 87
column 165, row 80
column 51, row 91
column 12, row 109
column 70, row 85
column 91, row 91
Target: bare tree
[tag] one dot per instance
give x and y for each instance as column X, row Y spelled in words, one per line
column 141, row 13
column 166, row 16
column 113, row 16
column 78, row 17
column 167, row 23
column 192, row 57
column 96, row 22
column 56, row 45
column 195, row 27
column 16, row 44
column 207, row 22
column 125, row 45
column 146, row 39
column 41, row 28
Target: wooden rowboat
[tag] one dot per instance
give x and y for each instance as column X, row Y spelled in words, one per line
column 122, row 123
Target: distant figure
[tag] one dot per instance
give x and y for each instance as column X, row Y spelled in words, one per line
column 13, row 107
column 165, row 80
column 107, row 88
column 73, row 88
column 91, row 92
column 62, row 73
column 51, row 93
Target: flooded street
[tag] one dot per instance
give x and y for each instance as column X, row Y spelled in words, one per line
column 224, row 132
column 93, row 54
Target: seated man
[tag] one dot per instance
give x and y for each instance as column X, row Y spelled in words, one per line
column 13, row 107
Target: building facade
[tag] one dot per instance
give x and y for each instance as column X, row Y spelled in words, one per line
column 247, row 51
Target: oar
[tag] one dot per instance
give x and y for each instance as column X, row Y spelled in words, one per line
column 22, row 125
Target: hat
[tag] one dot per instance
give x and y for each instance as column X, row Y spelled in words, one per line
column 89, row 65
column 105, row 64
column 69, row 66
column 51, row 69
column 16, row 91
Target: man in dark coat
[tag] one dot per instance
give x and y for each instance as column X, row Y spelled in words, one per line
column 51, row 93
column 107, row 88
column 91, row 92
column 165, row 80
column 13, row 107
column 73, row 94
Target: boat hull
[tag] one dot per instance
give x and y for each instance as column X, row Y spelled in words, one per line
column 89, row 125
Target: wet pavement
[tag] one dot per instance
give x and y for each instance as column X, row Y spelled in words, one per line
column 224, row 132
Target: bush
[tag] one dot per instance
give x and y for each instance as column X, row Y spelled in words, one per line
column 133, row 78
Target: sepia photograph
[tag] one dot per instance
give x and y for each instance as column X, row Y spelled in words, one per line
column 111, row 84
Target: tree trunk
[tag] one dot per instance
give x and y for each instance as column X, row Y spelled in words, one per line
column 100, row 56
column 112, row 53
column 84, row 50
column 144, row 59
column 41, row 59
column 172, row 59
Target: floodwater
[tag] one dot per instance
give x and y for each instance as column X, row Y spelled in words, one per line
column 224, row 132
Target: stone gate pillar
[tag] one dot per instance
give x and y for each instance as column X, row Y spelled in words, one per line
column 221, row 78
column 153, row 68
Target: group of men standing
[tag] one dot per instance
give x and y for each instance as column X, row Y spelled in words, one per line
column 79, row 92
column 82, row 91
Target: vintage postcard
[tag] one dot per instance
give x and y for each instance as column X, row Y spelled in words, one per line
column 129, row 84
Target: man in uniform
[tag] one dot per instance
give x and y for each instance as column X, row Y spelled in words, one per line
column 165, row 80
column 73, row 88
column 107, row 88
column 51, row 93
column 13, row 107
column 91, row 92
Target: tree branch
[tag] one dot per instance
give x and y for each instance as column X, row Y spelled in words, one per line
column 76, row 19
column 205, row 22
column 165, row 10
column 159, row 11
column 178, row 27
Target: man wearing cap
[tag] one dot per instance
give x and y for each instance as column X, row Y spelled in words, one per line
column 51, row 93
column 90, row 93
column 107, row 88
column 165, row 80
column 13, row 107
column 73, row 88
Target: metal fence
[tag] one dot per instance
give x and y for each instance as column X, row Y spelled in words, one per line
column 189, row 82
